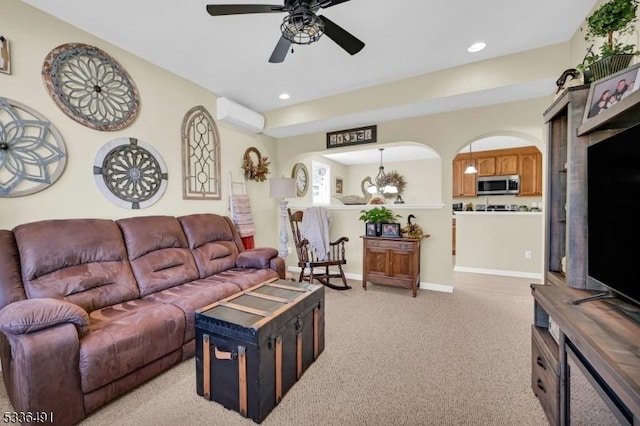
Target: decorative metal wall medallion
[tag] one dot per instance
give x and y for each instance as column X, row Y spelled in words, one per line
column 32, row 151
column 90, row 86
column 130, row 173
column 200, row 156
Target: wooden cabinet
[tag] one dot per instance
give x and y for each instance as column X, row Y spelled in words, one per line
column 464, row 185
column 530, row 166
column 453, row 236
column 486, row 166
column 507, row 165
column 391, row 261
column 525, row 162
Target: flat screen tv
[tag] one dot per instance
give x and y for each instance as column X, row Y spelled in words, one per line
column 613, row 171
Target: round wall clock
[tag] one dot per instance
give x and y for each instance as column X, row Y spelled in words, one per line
column 301, row 175
column 130, row 173
column 90, row 86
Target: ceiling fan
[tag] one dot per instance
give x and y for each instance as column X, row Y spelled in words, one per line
column 300, row 26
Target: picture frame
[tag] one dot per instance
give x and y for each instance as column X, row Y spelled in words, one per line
column 390, row 230
column 357, row 136
column 370, row 229
column 5, row 55
column 605, row 93
column 339, row 185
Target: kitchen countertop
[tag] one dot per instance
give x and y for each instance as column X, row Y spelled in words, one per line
column 494, row 213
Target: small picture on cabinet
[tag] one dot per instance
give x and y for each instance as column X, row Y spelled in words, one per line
column 390, row 230
column 370, row 230
column 608, row 91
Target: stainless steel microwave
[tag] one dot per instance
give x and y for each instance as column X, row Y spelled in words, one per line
column 498, row 185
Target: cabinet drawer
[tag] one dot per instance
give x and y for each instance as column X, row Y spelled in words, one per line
column 545, row 380
column 390, row 244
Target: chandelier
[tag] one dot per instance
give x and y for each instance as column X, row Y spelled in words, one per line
column 382, row 186
column 302, row 26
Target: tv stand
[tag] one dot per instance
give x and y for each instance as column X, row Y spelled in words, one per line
column 598, row 296
column 584, row 357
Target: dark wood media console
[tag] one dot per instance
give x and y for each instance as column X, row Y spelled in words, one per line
column 585, row 365
column 601, row 340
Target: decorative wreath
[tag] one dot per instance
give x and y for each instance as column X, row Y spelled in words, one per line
column 251, row 170
column 396, row 179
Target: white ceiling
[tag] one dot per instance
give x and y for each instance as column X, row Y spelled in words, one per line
column 229, row 54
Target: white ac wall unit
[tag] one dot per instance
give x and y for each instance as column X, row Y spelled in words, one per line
column 239, row 115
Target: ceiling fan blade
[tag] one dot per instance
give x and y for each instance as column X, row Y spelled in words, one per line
column 341, row 36
column 328, row 3
column 238, row 9
column 281, row 50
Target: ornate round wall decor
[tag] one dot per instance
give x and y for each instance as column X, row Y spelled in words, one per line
column 90, row 86
column 32, row 151
column 130, row 173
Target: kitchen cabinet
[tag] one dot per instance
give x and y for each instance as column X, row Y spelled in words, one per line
column 486, row 166
column 530, row 167
column 464, row 185
column 391, row 261
column 524, row 161
column 507, row 165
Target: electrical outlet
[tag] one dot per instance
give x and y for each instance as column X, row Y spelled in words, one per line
column 289, row 249
column 528, row 255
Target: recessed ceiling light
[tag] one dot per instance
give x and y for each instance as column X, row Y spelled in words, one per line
column 476, row 47
column 284, row 96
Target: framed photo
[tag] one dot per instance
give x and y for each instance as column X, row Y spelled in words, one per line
column 339, row 185
column 5, row 56
column 390, row 230
column 370, row 230
column 356, row 136
column 607, row 92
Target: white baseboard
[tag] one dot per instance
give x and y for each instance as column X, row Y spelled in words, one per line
column 445, row 288
column 504, row 273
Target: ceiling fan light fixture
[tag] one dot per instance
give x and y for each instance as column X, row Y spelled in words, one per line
column 302, row 27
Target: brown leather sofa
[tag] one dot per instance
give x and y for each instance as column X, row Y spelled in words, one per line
column 92, row 308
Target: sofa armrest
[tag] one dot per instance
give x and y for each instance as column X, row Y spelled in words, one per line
column 30, row 315
column 256, row 258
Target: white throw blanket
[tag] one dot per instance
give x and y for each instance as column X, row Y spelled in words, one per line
column 315, row 228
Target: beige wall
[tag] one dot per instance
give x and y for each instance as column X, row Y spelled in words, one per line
column 496, row 243
column 164, row 100
column 446, row 134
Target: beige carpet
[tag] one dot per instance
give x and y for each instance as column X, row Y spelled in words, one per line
column 440, row 359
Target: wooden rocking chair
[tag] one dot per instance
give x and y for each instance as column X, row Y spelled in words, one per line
column 307, row 258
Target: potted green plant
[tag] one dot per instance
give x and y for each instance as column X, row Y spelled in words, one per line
column 613, row 19
column 375, row 217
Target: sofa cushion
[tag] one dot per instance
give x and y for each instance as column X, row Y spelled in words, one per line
column 125, row 337
column 213, row 241
column 158, row 252
column 246, row 277
column 256, row 258
column 83, row 261
column 194, row 295
column 28, row 316
column 11, row 288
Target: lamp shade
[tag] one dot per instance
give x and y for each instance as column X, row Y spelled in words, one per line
column 282, row 187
